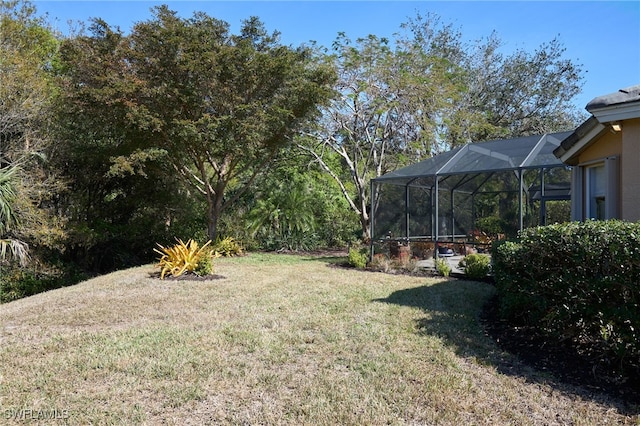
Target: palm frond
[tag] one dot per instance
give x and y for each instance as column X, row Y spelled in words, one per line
column 8, row 195
column 14, row 249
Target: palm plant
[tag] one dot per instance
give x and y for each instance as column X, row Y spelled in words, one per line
column 286, row 216
column 10, row 247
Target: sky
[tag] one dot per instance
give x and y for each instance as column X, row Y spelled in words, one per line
column 602, row 36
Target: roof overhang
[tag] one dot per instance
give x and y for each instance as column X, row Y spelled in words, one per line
column 617, row 112
column 578, row 141
column 606, row 111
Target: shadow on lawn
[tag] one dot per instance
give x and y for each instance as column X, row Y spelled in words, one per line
column 453, row 310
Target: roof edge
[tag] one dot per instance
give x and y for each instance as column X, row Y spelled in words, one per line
column 622, row 96
column 618, row 112
column 576, row 141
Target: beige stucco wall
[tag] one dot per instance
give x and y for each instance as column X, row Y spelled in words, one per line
column 630, row 170
column 609, row 145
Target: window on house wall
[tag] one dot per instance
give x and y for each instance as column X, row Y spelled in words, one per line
column 596, row 187
column 596, row 190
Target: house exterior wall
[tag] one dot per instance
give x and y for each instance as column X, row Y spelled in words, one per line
column 606, row 162
column 607, row 150
column 609, row 145
column 630, row 168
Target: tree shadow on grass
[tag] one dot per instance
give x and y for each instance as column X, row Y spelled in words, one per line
column 455, row 311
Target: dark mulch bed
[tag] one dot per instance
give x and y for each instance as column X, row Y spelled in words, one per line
column 560, row 360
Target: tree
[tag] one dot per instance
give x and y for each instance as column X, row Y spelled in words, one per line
column 387, row 113
column 219, row 106
column 120, row 200
column 502, row 96
column 28, row 51
column 533, row 92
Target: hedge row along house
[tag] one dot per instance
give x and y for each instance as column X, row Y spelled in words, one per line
column 446, row 200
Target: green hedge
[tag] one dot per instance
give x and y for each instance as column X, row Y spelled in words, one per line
column 578, row 282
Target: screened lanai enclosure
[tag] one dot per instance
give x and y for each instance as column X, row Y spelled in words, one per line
column 461, row 200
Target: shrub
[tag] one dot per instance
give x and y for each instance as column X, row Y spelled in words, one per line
column 227, row 247
column 381, row 262
column 358, row 257
column 16, row 283
column 508, row 269
column 205, row 264
column 408, row 264
column 476, row 266
column 183, row 257
column 442, row 266
column 492, row 225
column 577, row 282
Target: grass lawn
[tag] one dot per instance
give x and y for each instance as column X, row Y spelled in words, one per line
column 279, row 340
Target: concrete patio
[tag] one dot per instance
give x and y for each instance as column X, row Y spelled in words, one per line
column 452, row 260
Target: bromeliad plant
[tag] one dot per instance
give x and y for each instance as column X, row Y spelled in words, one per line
column 227, row 247
column 185, row 257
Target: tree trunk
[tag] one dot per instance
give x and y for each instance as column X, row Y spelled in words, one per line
column 215, row 204
column 366, row 229
column 365, row 217
column 213, row 214
column 212, row 227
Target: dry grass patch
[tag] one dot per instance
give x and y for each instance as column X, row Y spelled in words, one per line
column 279, row 340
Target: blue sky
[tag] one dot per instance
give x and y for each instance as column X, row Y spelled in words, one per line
column 603, row 36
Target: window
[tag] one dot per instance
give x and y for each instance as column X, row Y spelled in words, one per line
column 596, row 187
column 595, row 190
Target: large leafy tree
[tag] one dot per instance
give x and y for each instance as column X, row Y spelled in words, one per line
column 215, row 107
column 28, row 50
column 387, row 113
column 502, row 95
